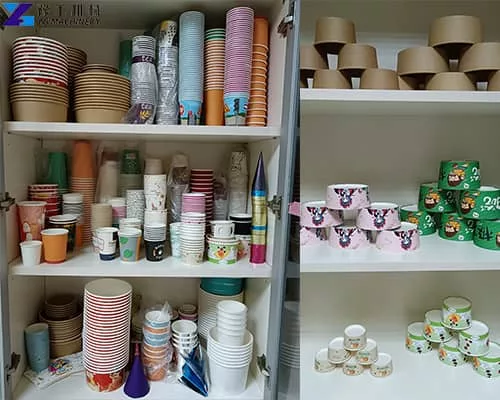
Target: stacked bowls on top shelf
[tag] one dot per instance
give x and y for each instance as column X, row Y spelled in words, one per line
column 238, row 64
column 39, row 92
column 101, row 97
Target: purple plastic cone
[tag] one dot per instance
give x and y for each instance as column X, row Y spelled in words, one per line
column 137, row 384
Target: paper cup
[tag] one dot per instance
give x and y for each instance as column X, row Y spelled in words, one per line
column 482, row 204
column 454, row 227
column 424, row 220
column 31, row 252
column 55, row 243
column 105, row 242
column 487, row 235
column 130, row 242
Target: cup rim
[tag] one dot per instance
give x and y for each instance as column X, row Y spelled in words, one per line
column 54, row 232
column 30, row 243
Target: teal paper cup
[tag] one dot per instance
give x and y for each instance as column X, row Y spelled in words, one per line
column 36, row 337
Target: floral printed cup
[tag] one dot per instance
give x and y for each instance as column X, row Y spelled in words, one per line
column 415, row 339
column 450, row 354
column 489, row 364
column 354, row 337
column 474, row 341
column 457, row 313
column 434, row 331
column 382, row 367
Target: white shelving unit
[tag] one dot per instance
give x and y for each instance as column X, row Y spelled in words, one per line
column 177, row 133
column 393, row 141
column 205, row 146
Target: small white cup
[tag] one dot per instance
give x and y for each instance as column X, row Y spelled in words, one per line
column 31, row 252
column 382, row 367
column 336, row 351
column 369, row 354
column 354, row 337
column 352, row 367
column 222, row 229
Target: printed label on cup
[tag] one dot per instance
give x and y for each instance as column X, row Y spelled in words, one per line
column 483, row 203
column 190, row 112
column 459, row 175
column 487, row 235
column 455, row 227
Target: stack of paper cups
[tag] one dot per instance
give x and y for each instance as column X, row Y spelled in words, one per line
column 257, row 104
column 214, row 76
column 167, row 112
column 191, row 30
column 238, row 64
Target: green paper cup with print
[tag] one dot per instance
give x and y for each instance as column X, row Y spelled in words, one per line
column 433, row 199
column 434, row 331
column 424, row 220
column 449, row 353
column 415, row 339
column 438, row 219
column 130, row 244
column 475, row 340
column 488, row 365
column 456, row 313
column 130, row 164
column 457, row 228
column 483, row 203
column 487, row 235
column 459, row 175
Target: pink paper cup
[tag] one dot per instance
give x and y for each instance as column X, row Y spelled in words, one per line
column 31, row 219
column 347, row 196
column 379, row 217
column 348, row 238
column 401, row 240
column 315, row 214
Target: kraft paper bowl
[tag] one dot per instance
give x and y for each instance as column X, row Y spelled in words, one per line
column 55, row 242
column 450, row 81
column 330, row 79
column 332, row 33
column 100, row 115
column 481, row 59
column 494, row 82
column 455, row 33
column 407, row 83
column 355, row 58
column 310, row 59
column 383, row 79
column 416, row 61
column 39, row 111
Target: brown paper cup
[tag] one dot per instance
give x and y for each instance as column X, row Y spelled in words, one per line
column 454, row 33
column 332, row 33
column 482, row 59
column 310, row 59
column 260, row 56
column 355, row 58
column 421, row 60
column 214, row 107
column 407, row 83
column 450, row 81
column 330, row 79
column 258, row 78
column 258, row 120
column 382, row 79
column 260, row 63
column 261, row 31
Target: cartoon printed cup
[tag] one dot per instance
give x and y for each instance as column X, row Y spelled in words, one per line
column 348, row 237
column 379, row 217
column 31, row 219
column 459, row 175
column 315, row 214
column 347, row 196
column 402, row 239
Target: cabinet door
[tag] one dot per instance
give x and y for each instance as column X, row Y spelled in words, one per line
column 285, row 185
column 5, row 361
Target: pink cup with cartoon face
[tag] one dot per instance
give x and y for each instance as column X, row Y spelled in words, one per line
column 400, row 240
column 347, row 196
column 379, row 217
column 348, row 237
column 315, row 214
column 312, row 236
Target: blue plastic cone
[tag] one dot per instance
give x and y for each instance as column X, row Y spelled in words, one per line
column 137, row 384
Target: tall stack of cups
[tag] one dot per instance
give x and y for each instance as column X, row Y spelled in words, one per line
column 143, row 78
column 130, row 171
column 175, row 239
column 135, row 204
column 191, row 31
column 238, row 182
column 214, row 76
column 192, row 237
column 167, row 112
column 156, row 348
column 238, row 64
column 155, row 232
column 73, row 203
column 257, row 104
column 118, row 210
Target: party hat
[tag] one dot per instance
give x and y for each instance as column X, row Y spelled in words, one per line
column 137, row 384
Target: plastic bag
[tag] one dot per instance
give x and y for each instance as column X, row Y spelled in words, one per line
column 177, row 184
column 221, row 197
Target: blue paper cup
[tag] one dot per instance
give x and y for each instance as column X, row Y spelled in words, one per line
column 190, row 112
column 235, row 109
column 36, row 337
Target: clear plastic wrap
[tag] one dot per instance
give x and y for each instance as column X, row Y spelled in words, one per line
column 221, row 197
column 177, row 184
column 238, row 182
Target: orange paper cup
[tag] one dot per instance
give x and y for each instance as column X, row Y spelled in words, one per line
column 54, row 245
column 214, row 107
column 261, row 31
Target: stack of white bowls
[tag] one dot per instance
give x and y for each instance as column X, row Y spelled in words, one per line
column 207, row 310
column 192, row 238
column 184, row 340
column 231, row 322
column 228, row 365
column 289, row 360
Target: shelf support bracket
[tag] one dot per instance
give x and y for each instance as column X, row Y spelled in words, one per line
column 263, row 367
column 275, row 205
column 6, row 202
column 15, row 359
column 287, row 22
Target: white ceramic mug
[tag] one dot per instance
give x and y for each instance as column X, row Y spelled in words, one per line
column 383, row 366
column 336, row 351
column 222, row 229
column 354, row 337
column 369, row 354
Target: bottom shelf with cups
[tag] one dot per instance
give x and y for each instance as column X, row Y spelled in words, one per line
column 415, row 376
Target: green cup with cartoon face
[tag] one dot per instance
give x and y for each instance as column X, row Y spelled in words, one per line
column 424, row 220
column 433, row 199
column 487, row 235
column 483, row 203
column 457, row 228
column 459, row 175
